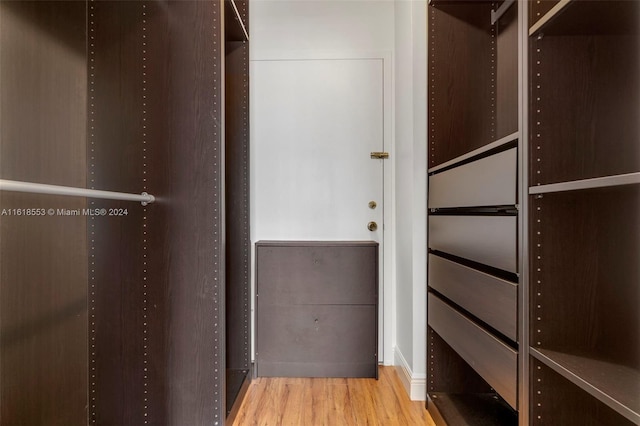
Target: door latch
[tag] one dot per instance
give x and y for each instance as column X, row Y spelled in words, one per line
column 380, row 155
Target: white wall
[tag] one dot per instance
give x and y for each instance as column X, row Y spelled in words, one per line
column 410, row 193
column 319, row 28
column 321, row 25
column 398, row 27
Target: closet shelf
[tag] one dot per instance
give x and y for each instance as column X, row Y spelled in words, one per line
column 234, row 26
column 480, row 409
column 615, row 385
column 497, row 14
column 600, row 182
column 593, row 17
column 548, row 16
column 476, row 153
column 40, row 188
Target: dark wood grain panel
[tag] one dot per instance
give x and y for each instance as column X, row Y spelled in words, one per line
column 238, row 244
column 448, row 372
column 539, row 8
column 237, row 200
column 554, row 400
column 196, row 215
column 482, row 409
column 116, row 278
column 43, row 259
column 506, row 105
column 43, row 312
column 43, row 102
column 338, row 274
column 116, row 101
column 317, row 341
column 585, row 273
column 595, row 17
column 584, row 107
column 461, row 45
column 156, row 234
column 118, row 146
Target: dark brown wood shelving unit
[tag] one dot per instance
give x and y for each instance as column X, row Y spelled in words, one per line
column 473, row 158
column 237, row 200
column 473, row 90
column 130, row 319
column 562, row 402
column 584, row 177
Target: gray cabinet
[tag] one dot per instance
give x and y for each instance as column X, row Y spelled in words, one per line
column 317, row 311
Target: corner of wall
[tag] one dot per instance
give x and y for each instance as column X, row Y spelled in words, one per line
column 414, row 384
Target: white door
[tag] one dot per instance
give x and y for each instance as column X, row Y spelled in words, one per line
column 315, row 125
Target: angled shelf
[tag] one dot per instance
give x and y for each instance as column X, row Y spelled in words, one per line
column 601, row 182
column 585, row 93
column 235, row 28
column 479, row 409
column 501, row 143
column 544, row 12
column 573, row 17
column 616, row 385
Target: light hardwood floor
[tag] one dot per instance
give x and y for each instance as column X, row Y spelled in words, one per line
column 331, row 402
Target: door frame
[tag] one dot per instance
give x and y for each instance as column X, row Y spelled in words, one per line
column 386, row 286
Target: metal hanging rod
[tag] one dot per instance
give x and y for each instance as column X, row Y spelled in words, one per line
column 41, row 188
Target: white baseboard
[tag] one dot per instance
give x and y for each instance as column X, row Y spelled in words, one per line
column 414, row 384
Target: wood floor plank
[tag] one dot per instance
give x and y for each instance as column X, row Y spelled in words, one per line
column 331, row 402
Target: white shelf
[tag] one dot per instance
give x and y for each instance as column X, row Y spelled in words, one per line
column 601, row 182
column 500, row 142
column 549, row 16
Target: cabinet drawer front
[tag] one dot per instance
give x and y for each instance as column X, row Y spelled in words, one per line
column 317, row 341
column 490, row 181
column 317, row 273
column 491, row 240
column 491, row 299
column 490, row 358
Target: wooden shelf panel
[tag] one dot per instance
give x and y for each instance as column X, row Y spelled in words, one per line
column 478, row 409
column 585, row 104
column 235, row 380
column 540, row 13
column 539, row 9
column 581, row 17
column 615, row 385
column 602, row 182
column 585, row 278
column 235, row 28
column 458, row 126
column 486, row 150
